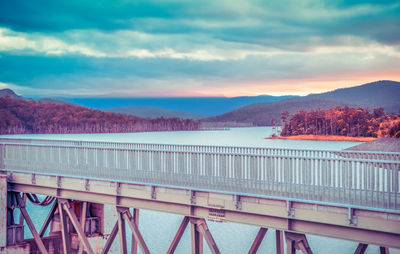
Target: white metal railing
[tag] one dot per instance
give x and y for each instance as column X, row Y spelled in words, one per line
column 207, row 148
column 349, row 178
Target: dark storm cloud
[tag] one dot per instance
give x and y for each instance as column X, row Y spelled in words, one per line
column 260, row 22
column 58, row 16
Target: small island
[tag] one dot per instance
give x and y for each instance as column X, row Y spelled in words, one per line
column 325, row 138
column 339, row 124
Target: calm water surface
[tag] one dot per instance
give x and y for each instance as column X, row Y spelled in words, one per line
column 253, row 136
column 158, row 228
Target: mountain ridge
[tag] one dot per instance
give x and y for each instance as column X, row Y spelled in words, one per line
column 9, row 93
column 383, row 93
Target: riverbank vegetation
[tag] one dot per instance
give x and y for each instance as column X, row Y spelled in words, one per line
column 341, row 121
column 18, row 116
column 325, row 138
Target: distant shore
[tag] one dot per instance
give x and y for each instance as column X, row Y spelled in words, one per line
column 325, row 138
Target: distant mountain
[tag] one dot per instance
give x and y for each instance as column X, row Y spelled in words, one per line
column 56, row 101
column 9, row 93
column 208, row 106
column 262, row 113
column 384, row 94
column 153, row 112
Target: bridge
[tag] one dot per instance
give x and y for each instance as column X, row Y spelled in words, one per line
column 349, row 195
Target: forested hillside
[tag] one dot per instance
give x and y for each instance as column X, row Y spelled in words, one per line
column 261, row 114
column 343, row 121
column 383, row 94
column 153, row 112
column 25, row 117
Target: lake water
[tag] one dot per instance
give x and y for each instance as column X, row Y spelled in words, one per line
column 158, row 229
column 249, row 136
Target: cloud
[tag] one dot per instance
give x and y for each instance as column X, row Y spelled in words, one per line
column 15, row 41
column 148, row 74
column 198, row 47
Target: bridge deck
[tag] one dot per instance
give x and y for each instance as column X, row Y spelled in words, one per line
column 346, row 178
column 342, row 194
column 354, row 224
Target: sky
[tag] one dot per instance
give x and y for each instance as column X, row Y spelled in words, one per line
column 121, row 48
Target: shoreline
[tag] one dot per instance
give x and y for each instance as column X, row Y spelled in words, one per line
column 325, row 138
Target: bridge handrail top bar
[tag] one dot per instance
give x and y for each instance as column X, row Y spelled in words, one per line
column 15, row 141
column 282, row 198
column 217, row 153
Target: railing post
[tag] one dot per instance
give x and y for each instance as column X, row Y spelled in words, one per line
column 2, row 155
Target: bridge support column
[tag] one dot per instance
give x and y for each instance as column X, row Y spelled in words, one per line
column 66, row 240
column 135, row 220
column 21, row 217
column 83, row 222
column 383, row 250
column 64, row 205
column 295, row 242
column 197, row 238
column 279, row 242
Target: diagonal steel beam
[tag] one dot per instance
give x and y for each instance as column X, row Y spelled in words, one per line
column 49, row 218
column 202, row 227
column 257, row 241
column 77, row 226
column 361, row 248
column 29, row 222
column 135, row 230
column 110, row 239
column 178, row 235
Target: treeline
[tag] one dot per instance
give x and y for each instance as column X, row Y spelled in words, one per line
column 343, row 121
column 30, row 117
